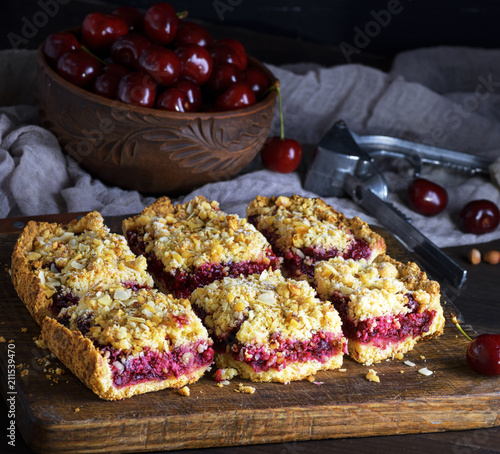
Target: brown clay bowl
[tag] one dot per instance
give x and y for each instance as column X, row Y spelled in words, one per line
column 150, row 150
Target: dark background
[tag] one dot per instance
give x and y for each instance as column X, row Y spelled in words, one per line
column 288, row 23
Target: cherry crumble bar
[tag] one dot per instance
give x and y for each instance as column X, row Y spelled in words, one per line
column 386, row 306
column 306, row 230
column 193, row 244
column 93, row 299
column 270, row 328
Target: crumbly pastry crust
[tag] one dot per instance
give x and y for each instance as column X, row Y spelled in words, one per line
column 300, row 224
column 259, row 309
column 99, row 268
column 380, row 289
column 188, row 235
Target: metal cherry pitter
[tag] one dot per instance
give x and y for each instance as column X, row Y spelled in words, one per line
column 344, row 163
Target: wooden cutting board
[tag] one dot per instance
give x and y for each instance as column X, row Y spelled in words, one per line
column 58, row 414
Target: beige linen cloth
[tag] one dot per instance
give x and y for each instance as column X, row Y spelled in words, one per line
column 447, row 97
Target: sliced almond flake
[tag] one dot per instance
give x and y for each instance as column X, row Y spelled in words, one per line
column 409, row 363
column 425, row 371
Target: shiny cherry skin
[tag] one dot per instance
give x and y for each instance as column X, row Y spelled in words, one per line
column 138, row 89
column 106, row 85
column 193, row 94
column 223, row 76
column 222, row 53
column 239, row 48
column 57, row 44
column 127, row 49
column 78, row 67
column 479, row 216
column 162, row 64
column 191, row 33
column 100, row 31
column 483, row 354
column 132, row 16
column 257, row 79
column 281, row 155
column 160, row 23
column 237, row 96
column 173, row 99
column 426, row 197
column 197, row 64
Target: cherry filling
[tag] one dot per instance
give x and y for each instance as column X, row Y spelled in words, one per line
column 152, row 365
column 382, row 331
column 297, row 265
column 61, row 300
column 181, row 284
column 321, row 347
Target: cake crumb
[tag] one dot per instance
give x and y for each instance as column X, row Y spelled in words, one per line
column 342, row 370
column 24, row 329
column 2, row 339
column 372, row 376
column 245, row 389
column 311, row 378
column 225, row 374
column 59, row 371
column 184, row 391
column 24, row 373
column 409, row 363
column 401, row 371
column 425, row 371
column 76, row 410
column 40, row 343
column 223, row 383
column 422, row 357
column 399, row 356
column 11, row 341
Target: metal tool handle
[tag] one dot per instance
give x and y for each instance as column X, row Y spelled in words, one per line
column 434, row 260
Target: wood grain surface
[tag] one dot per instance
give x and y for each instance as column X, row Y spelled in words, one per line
column 58, row 414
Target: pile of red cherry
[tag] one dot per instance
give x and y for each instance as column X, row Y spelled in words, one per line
column 156, row 60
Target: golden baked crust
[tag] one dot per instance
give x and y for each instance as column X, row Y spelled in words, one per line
column 185, row 236
column 308, row 227
column 383, row 289
column 264, row 314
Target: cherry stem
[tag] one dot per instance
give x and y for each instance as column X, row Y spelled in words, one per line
column 182, row 14
column 455, row 321
column 93, row 55
column 282, row 125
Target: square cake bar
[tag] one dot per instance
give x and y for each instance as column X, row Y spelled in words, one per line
column 270, row 328
column 305, row 230
column 386, row 306
column 193, row 244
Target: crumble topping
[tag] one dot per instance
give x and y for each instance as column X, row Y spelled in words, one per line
column 135, row 320
column 377, row 289
column 262, row 305
column 372, row 376
column 188, row 235
column 302, row 222
column 84, row 255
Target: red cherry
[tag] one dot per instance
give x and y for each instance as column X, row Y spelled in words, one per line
column 479, row 216
column 132, row 16
column 78, row 67
column 239, row 48
column 99, row 30
column 160, row 23
column 223, row 76
column 237, row 96
column 106, row 85
column 138, row 89
column 281, row 155
column 116, row 70
column 162, row 64
column 191, row 33
column 127, row 49
column 196, row 61
column 426, row 197
column 257, row 79
column 173, row 99
column 222, row 53
column 57, row 44
column 193, row 93
column 483, row 354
